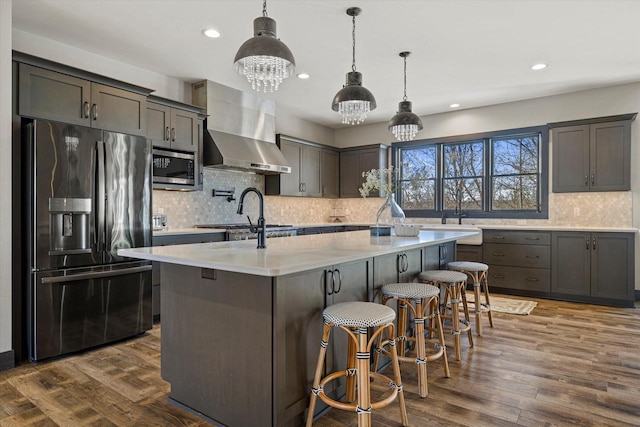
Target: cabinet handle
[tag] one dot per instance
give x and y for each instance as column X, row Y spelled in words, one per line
column 532, row 256
column 166, row 133
column 532, row 238
column 403, row 264
column 173, row 134
column 498, row 253
column 532, row 279
column 85, row 108
column 304, row 187
column 339, row 280
column 587, row 241
column 594, row 244
column 498, row 237
column 333, row 280
column 593, row 179
column 586, row 180
column 498, row 276
column 95, row 111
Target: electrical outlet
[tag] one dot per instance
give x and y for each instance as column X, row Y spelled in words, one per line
column 576, row 211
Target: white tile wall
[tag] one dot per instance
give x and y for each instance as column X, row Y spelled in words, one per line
column 187, row 208
column 184, row 209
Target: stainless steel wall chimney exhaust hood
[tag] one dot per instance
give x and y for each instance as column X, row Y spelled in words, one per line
column 240, row 130
column 227, row 151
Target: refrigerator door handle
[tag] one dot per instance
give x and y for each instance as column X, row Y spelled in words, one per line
column 95, row 275
column 100, row 197
column 108, row 150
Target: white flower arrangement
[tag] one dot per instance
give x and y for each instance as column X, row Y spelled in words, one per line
column 383, row 180
column 378, row 179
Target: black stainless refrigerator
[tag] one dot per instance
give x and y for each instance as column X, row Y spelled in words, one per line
column 89, row 195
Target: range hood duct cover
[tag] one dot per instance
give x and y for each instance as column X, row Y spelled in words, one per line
column 227, row 151
column 240, row 130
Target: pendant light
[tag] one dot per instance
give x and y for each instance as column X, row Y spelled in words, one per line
column 353, row 101
column 405, row 124
column 264, row 59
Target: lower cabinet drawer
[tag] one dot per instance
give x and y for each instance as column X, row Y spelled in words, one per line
column 469, row 253
column 530, row 256
column 525, row 279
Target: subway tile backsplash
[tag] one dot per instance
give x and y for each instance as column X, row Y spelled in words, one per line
column 184, row 209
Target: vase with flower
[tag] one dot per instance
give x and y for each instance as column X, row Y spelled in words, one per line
column 383, row 180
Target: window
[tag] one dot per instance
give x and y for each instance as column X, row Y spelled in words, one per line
column 494, row 175
column 417, row 186
column 515, row 173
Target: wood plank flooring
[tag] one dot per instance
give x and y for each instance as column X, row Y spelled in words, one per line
column 564, row 364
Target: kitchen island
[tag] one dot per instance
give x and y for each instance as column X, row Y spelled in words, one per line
column 241, row 327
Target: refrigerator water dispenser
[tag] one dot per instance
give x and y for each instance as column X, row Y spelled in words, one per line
column 69, row 226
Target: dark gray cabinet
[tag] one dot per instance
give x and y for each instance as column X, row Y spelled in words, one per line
column 355, row 161
column 519, row 261
column 330, row 173
column 400, row 267
column 593, row 267
column 305, row 178
column 471, row 253
column 183, row 239
column 170, row 126
column 592, row 156
column 47, row 94
column 300, row 299
column 437, row 257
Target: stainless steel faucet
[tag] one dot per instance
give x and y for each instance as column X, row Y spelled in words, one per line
column 260, row 228
column 458, row 210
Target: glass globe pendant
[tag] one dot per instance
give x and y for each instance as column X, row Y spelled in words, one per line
column 263, row 59
column 405, row 124
column 353, row 102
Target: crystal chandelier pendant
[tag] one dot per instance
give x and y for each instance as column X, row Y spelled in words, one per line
column 405, row 132
column 264, row 72
column 354, row 112
column 263, row 59
column 353, row 102
column 405, row 125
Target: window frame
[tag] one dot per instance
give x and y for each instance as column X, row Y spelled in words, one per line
column 486, row 137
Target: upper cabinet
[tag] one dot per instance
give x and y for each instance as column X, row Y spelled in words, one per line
column 53, row 95
column 355, row 161
column 592, row 155
column 171, row 124
column 330, row 173
column 313, row 170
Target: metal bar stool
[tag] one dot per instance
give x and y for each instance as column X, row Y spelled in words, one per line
column 426, row 297
column 454, row 284
column 355, row 318
column 477, row 272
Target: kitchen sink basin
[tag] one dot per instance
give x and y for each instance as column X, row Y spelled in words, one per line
column 474, row 240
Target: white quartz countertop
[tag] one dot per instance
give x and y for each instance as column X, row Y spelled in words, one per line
column 529, row 227
column 287, row 255
column 464, row 225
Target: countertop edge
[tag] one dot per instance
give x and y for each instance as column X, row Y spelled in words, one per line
column 339, row 254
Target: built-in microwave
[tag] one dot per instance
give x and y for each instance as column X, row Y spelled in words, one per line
column 173, row 167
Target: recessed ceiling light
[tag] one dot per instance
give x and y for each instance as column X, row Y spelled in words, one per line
column 454, row 105
column 540, row 66
column 212, row 32
column 303, row 76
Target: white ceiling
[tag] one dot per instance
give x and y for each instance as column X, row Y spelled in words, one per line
column 471, row 52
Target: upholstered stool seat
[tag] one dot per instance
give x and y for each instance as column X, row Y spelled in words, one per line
column 477, row 272
column 426, row 298
column 356, row 318
column 453, row 284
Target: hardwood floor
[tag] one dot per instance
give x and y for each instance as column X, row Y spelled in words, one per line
column 564, row 364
